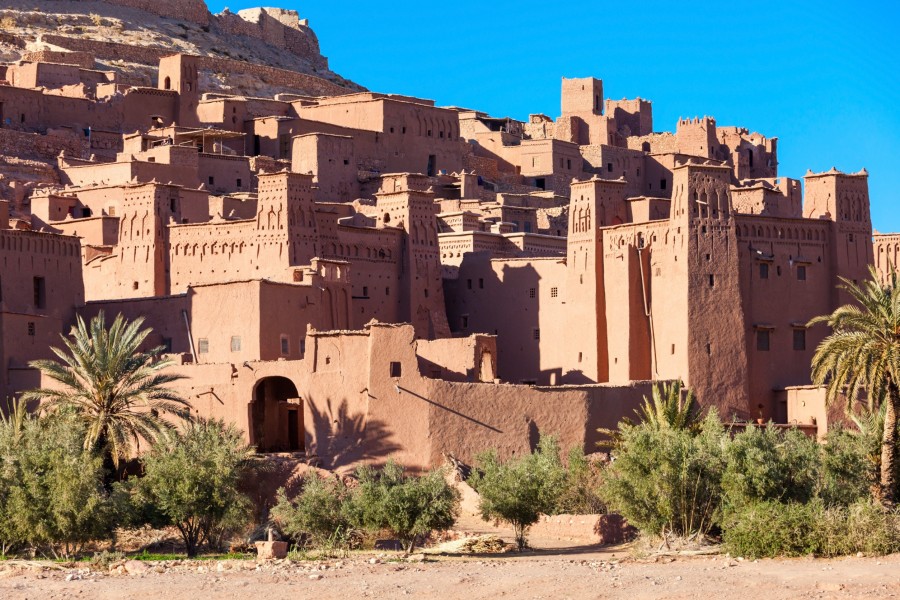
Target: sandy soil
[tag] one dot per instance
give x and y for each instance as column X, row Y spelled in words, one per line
column 586, row 572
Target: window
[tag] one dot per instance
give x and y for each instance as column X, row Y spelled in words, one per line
column 167, row 345
column 464, row 321
column 532, row 292
column 239, row 182
column 537, row 334
column 40, row 293
column 387, row 291
column 569, row 163
column 712, row 281
column 480, row 283
column 135, row 285
column 203, row 346
column 365, row 291
column 763, row 270
column 235, row 343
column 778, row 271
column 579, row 356
column 800, row 340
column 609, row 167
column 527, row 225
column 396, row 369
column 801, row 273
column 31, row 328
column 662, row 184
column 469, row 283
column 302, row 346
column 212, row 180
column 708, row 349
column 762, row 340
column 285, row 345
column 554, row 292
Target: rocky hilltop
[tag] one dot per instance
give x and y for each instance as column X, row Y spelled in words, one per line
column 128, row 36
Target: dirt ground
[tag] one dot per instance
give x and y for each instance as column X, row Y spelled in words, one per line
column 558, row 573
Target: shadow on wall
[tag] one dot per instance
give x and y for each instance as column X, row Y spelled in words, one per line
column 342, row 439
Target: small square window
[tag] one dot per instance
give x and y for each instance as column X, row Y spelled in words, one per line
column 662, row 184
column 762, row 340
column 396, row 369
column 480, row 284
column 285, row 345
column 203, row 346
column 469, row 284
column 800, row 340
column 464, row 321
column 365, row 291
column 554, row 292
column 537, row 334
column 763, row 270
column 32, row 330
column 212, row 180
column 240, row 183
column 801, row 273
column 712, row 281
column 532, row 292
column 235, row 343
column 609, row 167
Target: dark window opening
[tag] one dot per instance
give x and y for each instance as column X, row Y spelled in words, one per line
column 800, row 340
column 532, row 292
column 537, row 334
column 540, row 183
column 32, row 330
column 464, row 321
column 432, row 165
column 212, row 180
column 801, row 273
column 762, row 340
column 285, row 345
column 40, row 292
column 396, row 369
column 365, row 291
column 469, row 284
column 662, row 184
column 609, row 167
column 167, row 345
column 763, row 271
column 480, row 284
column 712, row 281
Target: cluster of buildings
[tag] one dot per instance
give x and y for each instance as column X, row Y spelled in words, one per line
column 360, row 275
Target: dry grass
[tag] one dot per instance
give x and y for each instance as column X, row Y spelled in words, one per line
column 8, row 23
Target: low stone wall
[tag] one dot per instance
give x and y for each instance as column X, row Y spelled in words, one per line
column 85, row 60
column 308, row 84
column 44, row 147
column 584, row 529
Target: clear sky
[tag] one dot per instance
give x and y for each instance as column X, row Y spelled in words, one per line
column 823, row 77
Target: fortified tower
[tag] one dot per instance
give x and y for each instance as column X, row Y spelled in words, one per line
column 286, row 219
column 843, row 199
column 595, row 203
column 701, row 335
column 408, row 203
column 179, row 72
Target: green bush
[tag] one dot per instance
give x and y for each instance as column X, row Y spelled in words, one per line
column 667, row 480
column 581, row 493
column 519, row 490
column 771, row 528
column 409, row 507
column 848, row 471
column 192, row 478
column 317, row 516
column 765, row 464
column 52, row 494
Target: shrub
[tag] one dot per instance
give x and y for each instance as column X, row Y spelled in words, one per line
column 51, row 489
column 667, row 480
column 519, row 490
column 848, row 472
column 7, row 23
column 317, row 516
column 192, row 478
column 581, row 493
column 410, row 507
column 765, row 464
column 771, row 528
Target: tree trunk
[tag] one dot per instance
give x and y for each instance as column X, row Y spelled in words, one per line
column 889, row 446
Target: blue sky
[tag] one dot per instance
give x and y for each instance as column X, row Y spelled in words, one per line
column 822, row 76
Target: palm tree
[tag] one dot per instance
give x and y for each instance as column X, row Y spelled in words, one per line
column 863, row 354
column 118, row 391
column 669, row 408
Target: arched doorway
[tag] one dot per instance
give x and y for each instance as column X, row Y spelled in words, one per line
column 276, row 416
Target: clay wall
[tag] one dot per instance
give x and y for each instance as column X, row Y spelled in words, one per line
column 632, row 117
column 39, row 287
column 85, row 60
column 886, row 249
column 612, row 162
